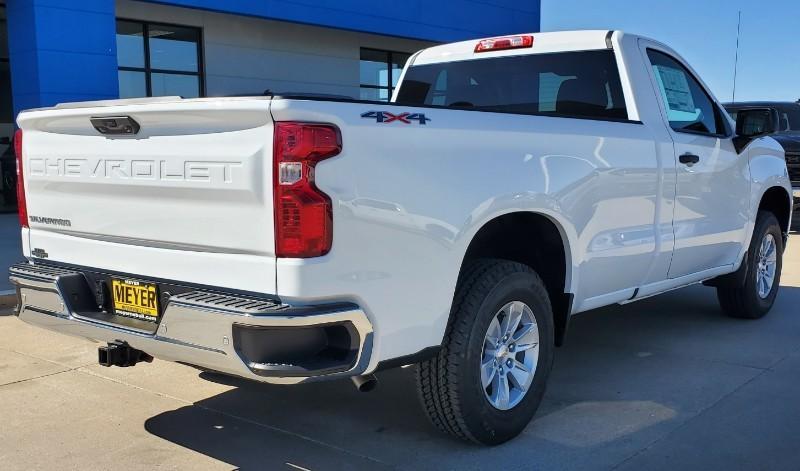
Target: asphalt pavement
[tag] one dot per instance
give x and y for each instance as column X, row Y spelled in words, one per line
column 665, row 383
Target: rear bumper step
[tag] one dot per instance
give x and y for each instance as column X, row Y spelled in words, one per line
column 254, row 338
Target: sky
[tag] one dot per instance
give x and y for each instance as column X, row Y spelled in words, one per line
column 704, row 33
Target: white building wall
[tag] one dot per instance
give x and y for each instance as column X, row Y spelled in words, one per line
column 249, row 55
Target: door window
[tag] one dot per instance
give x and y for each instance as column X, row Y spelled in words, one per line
column 689, row 108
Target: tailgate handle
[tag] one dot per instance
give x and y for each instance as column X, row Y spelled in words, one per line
column 115, row 125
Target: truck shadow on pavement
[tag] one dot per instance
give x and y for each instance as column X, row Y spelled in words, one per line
column 628, row 376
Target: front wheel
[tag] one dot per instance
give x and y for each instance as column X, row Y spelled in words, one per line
column 755, row 297
column 486, row 383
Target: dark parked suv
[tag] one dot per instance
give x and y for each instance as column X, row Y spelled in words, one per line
column 787, row 134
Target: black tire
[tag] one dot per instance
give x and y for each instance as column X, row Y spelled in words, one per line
column 741, row 300
column 449, row 384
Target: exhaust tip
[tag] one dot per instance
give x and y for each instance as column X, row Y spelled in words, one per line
column 365, row 383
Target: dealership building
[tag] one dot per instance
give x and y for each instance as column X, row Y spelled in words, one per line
column 55, row 51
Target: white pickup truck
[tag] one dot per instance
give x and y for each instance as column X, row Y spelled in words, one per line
column 510, row 184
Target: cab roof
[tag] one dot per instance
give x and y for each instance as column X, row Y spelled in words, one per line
column 560, row 41
column 766, row 104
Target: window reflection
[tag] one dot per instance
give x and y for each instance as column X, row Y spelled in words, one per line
column 130, row 44
column 174, row 48
column 186, row 86
column 157, row 59
column 8, row 164
column 380, row 71
column 132, row 84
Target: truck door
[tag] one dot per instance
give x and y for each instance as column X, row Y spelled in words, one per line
column 713, row 183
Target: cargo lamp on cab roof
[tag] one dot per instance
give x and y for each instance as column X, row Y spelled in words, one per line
column 504, row 43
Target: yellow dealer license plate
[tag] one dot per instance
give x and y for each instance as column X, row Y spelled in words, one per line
column 135, row 299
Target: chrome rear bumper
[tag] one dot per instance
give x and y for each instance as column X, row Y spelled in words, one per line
column 199, row 327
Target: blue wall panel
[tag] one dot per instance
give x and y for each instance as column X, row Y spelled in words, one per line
column 61, row 50
column 435, row 20
column 65, row 50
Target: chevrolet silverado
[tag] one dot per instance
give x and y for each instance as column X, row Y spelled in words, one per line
column 510, row 184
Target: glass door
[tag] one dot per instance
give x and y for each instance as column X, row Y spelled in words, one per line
column 8, row 172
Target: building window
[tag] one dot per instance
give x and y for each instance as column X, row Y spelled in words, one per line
column 8, row 174
column 380, row 71
column 157, row 60
column 6, row 113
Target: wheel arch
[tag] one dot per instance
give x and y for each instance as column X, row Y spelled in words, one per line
column 535, row 239
column 772, row 189
column 778, row 201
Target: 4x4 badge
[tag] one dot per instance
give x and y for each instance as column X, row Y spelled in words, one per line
column 387, row 117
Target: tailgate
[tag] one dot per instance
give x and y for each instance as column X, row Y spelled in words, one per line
column 187, row 198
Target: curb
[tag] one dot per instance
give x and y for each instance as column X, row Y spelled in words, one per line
column 8, row 298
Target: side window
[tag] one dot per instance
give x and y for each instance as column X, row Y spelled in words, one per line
column 756, row 123
column 689, row 108
column 784, row 122
column 583, row 84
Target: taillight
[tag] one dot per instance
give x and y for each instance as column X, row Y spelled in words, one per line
column 507, row 42
column 303, row 213
column 22, row 208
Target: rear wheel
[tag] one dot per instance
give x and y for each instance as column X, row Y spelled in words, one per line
column 488, row 380
column 753, row 298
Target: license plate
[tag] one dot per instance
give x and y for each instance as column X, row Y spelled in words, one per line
column 135, row 299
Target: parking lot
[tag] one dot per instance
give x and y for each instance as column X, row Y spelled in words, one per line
column 667, row 383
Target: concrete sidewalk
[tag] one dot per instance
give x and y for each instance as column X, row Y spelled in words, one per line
column 666, row 383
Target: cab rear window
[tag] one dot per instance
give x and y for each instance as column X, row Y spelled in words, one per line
column 582, row 84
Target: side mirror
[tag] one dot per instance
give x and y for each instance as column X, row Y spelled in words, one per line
column 752, row 123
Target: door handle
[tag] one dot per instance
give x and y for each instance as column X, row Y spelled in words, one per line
column 689, row 159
